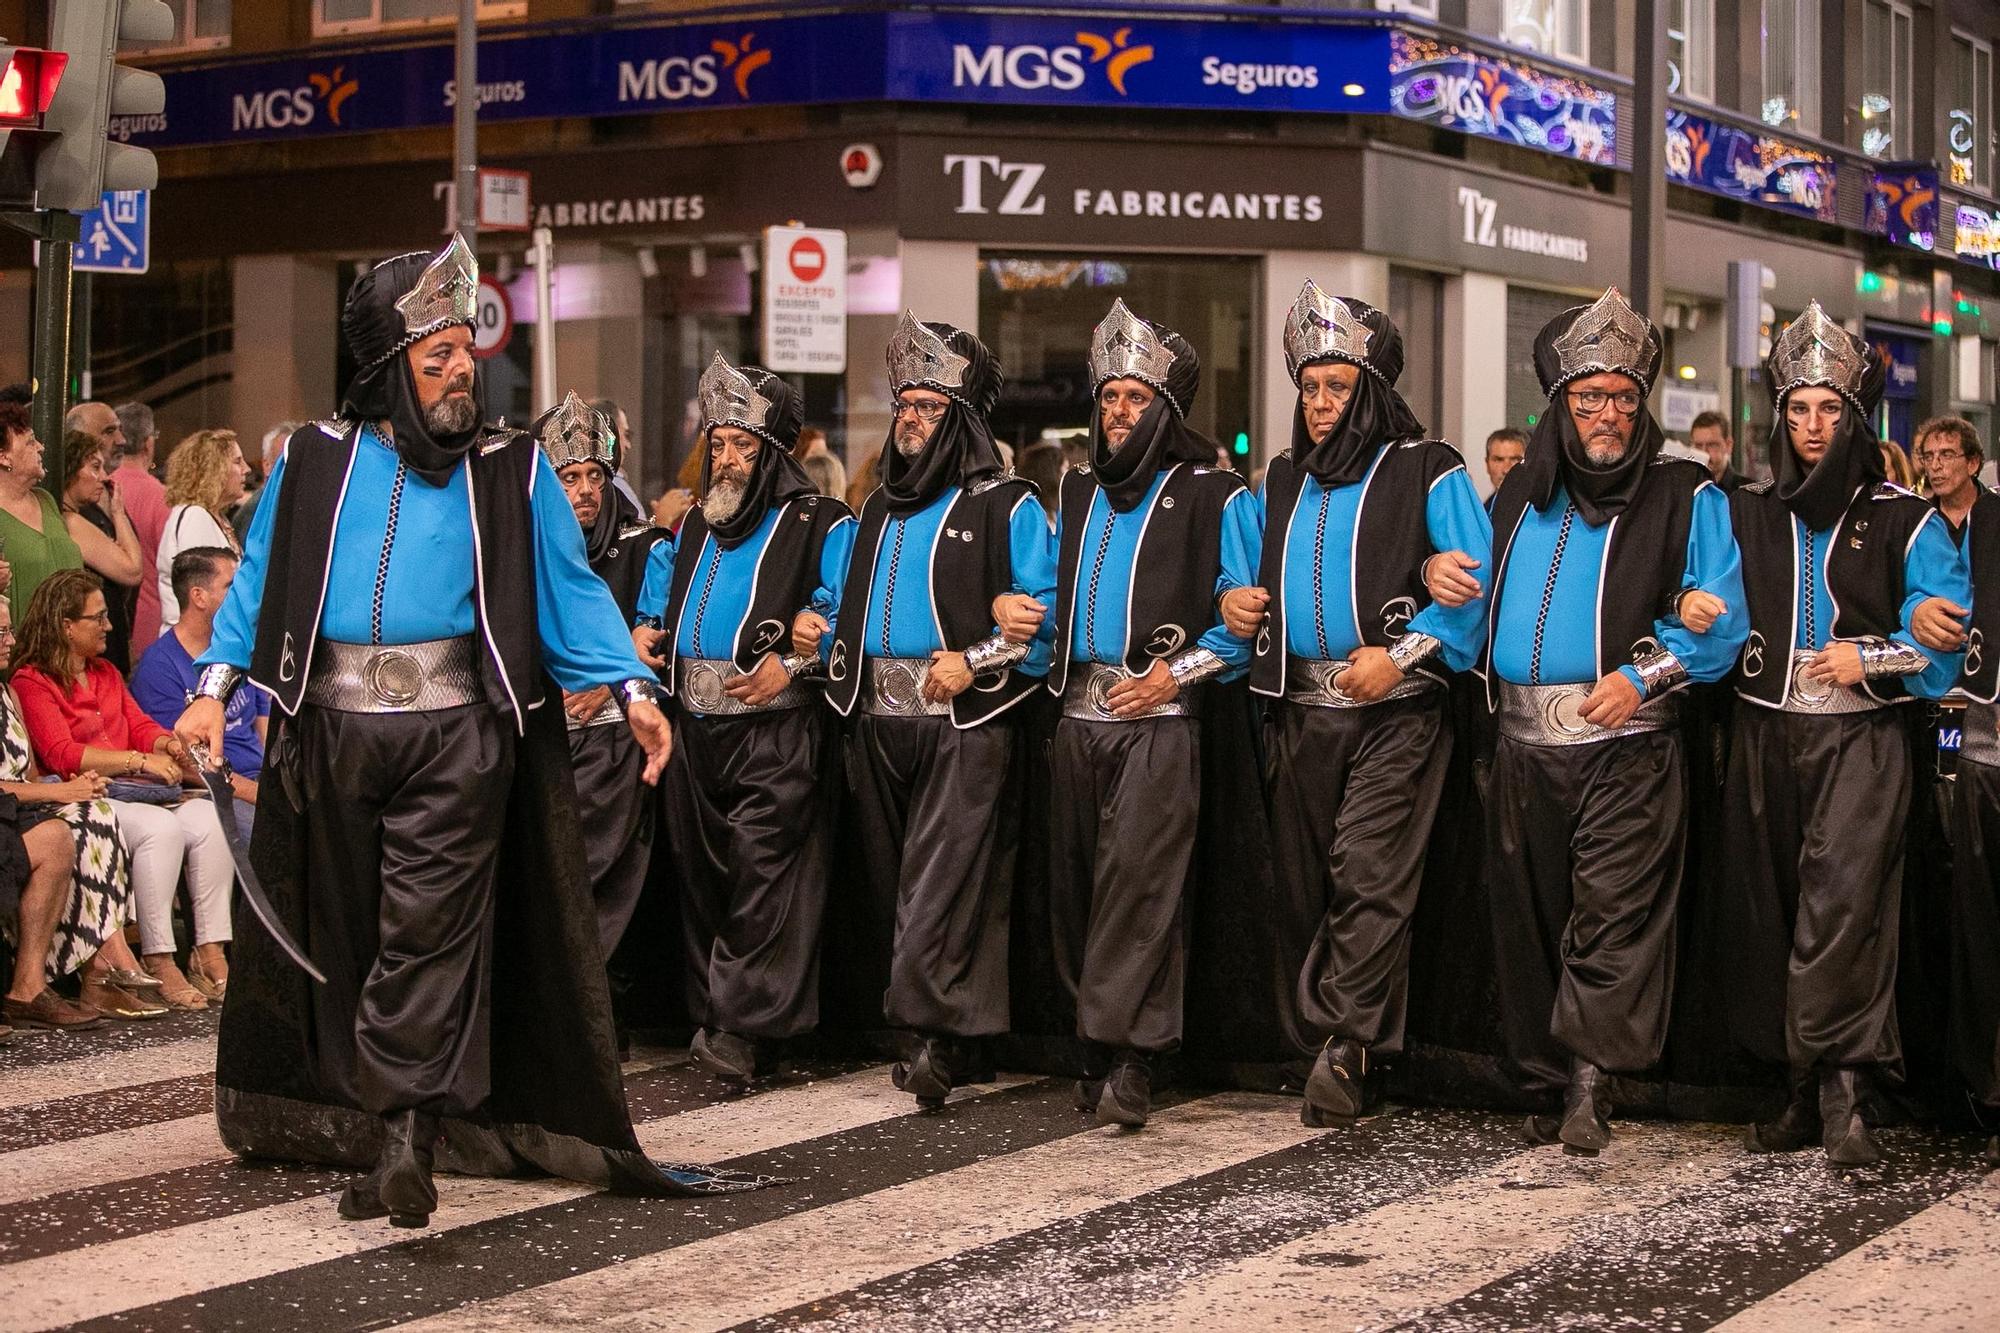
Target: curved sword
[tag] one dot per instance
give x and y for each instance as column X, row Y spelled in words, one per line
column 216, row 779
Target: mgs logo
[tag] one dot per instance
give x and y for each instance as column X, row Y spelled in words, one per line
column 1057, row 68
column 294, row 108
column 739, row 57
column 693, row 78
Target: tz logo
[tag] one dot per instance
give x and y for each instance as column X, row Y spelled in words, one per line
column 739, row 57
column 333, row 89
column 1121, row 57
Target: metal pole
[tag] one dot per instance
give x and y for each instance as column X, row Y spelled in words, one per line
column 465, row 124
column 51, row 359
column 543, row 255
column 79, row 336
column 1649, row 159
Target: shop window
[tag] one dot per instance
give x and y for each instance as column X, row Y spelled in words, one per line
column 1969, row 137
column 199, row 25
column 1416, row 304
column 332, row 18
column 167, row 338
column 1886, row 109
column 1528, row 310
column 1552, row 27
column 1037, row 310
column 1791, row 65
column 1691, row 49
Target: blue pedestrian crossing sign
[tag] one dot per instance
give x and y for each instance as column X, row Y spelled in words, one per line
column 116, row 236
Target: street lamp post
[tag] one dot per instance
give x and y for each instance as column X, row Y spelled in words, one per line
column 1649, row 158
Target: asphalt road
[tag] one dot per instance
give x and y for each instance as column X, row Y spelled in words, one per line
column 1007, row 1210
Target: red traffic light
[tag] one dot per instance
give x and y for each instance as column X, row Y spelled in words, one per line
column 28, row 85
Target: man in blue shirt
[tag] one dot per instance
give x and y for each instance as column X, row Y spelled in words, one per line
column 1616, row 581
column 1356, row 654
column 746, row 811
column 412, row 581
column 165, row 678
column 1842, row 571
column 1149, row 535
column 915, row 645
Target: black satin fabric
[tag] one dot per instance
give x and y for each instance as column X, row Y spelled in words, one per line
column 777, row 477
column 1376, row 414
column 1556, row 455
column 1974, row 1025
column 1819, row 495
column 1158, row 441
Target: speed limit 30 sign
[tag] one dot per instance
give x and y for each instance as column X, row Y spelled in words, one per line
column 493, row 319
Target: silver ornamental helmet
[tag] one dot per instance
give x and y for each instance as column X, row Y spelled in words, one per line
column 728, row 398
column 576, row 432
column 447, row 292
column 917, row 356
column 1609, row 336
column 1123, row 346
column 1321, row 327
column 1813, row 349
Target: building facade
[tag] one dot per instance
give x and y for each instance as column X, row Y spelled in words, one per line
column 1463, row 163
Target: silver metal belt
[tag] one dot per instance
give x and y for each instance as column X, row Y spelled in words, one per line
column 895, row 688
column 1553, row 715
column 699, row 683
column 1819, row 696
column 395, row 677
column 1979, row 735
column 1090, row 686
column 1315, row 682
column 603, row 717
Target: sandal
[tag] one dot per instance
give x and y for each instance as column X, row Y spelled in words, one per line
column 211, row 986
column 175, row 992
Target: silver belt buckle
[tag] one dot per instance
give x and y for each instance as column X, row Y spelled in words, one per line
column 1805, row 688
column 1562, row 713
column 394, row 677
column 1097, row 687
column 899, row 686
column 704, row 688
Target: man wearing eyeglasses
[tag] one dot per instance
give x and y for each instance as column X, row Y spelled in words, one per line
column 915, row 645
column 745, row 811
column 1617, row 581
column 1948, row 454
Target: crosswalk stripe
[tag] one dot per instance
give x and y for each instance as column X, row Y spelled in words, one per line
column 98, row 1280
column 742, row 1274
column 1939, row 1270
column 1392, row 1263
column 111, row 1069
column 103, row 1159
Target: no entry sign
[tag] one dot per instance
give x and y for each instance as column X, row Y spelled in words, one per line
column 805, row 300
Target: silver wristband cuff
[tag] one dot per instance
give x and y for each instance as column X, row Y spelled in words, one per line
column 1659, row 672
column 1413, row 650
column 991, row 656
column 218, row 680
column 1890, row 657
column 1195, row 666
column 636, row 690
column 646, row 622
column 802, row 666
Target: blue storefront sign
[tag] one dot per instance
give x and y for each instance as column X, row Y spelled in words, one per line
column 1903, row 206
column 1756, row 168
column 1440, row 84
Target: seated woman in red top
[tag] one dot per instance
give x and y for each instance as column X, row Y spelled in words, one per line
column 81, row 719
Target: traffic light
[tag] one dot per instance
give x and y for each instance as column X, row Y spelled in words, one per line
column 79, row 163
column 28, row 81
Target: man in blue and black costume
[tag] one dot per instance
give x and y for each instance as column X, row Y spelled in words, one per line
column 1841, row 568
column 1616, row 582
column 915, row 645
column 746, row 811
column 412, row 577
column 1357, row 655
column 1149, row 535
column 582, row 448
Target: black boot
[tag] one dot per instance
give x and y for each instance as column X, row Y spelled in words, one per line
column 403, row 1177
column 939, row 1065
column 1334, row 1090
column 731, row 1058
column 1586, row 1125
column 1543, row 1128
column 1128, row 1091
column 1843, row 1129
column 361, row 1201
column 1796, row 1126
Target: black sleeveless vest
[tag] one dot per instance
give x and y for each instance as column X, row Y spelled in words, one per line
column 787, row 572
column 1645, row 563
column 1980, row 677
column 319, row 459
column 1172, row 601
column 1864, row 575
column 623, row 567
column 1391, row 543
column 971, row 564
